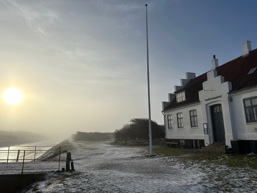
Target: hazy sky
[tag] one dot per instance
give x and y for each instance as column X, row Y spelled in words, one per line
column 82, row 63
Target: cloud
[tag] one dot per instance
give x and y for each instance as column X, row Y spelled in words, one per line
column 38, row 19
column 114, row 5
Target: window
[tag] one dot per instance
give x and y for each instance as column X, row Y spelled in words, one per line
column 180, row 97
column 169, row 118
column 193, row 118
column 250, row 109
column 180, row 120
column 252, row 70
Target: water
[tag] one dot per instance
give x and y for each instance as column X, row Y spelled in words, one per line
column 28, row 152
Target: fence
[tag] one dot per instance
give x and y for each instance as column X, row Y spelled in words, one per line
column 28, row 159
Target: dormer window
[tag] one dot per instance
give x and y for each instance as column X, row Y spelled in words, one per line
column 180, row 97
column 252, row 70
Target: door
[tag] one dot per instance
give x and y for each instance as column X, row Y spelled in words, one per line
column 217, row 124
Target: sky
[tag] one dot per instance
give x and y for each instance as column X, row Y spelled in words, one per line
column 82, row 63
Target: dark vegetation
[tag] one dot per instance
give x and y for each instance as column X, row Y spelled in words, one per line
column 9, row 138
column 96, row 136
column 137, row 132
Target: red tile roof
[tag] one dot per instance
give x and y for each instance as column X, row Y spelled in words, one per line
column 236, row 71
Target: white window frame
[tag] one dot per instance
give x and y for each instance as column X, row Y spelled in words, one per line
column 169, row 121
column 250, row 106
column 193, row 118
column 180, row 97
column 180, row 120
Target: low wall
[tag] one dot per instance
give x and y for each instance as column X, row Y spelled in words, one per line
column 15, row 183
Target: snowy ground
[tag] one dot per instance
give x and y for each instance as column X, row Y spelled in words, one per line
column 110, row 169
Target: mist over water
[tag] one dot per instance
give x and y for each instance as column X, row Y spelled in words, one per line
column 18, row 138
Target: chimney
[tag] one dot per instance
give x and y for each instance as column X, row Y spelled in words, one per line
column 177, row 87
column 214, row 63
column 246, row 48
column 164, row 105
column 183, row 82
column 190, row 75
column 171, row 97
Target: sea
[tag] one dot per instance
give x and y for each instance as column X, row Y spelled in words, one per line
column 27, row 152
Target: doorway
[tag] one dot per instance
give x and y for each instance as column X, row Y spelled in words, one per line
column 217, row 124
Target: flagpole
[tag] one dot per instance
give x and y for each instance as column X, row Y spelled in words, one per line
column 148, row 86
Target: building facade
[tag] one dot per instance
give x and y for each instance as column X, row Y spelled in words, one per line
column 219, row 106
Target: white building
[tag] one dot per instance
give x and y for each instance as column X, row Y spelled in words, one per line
column 219, row 106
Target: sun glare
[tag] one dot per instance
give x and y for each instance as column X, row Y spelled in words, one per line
column 13, row 96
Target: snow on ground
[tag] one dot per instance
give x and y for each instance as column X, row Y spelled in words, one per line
column 111, row 169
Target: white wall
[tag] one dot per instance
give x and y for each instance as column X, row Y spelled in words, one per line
column 187, row 132
column 241, row 129
column 215, row 91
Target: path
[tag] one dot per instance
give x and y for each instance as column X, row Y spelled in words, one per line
column 105, row 168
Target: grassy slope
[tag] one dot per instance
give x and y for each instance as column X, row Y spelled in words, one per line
column 192, row 155
column 53, row 153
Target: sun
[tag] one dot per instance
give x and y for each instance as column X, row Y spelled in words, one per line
column 13, row 96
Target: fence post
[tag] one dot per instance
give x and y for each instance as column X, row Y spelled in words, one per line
column 60, row 151
column 23, row 162
column 18, row 155
column 8, row 155
column 35, row 153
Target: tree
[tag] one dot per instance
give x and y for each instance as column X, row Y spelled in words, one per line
column 138, row 129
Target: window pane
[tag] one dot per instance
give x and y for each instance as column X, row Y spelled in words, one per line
column 169, row 117
column 179, row 120
column 180, row 97
column 254, row 101
column 251, row 109
column 193, row 118
column 183, row 96
column 247, row 102
column 249, row 115
column 255, row 113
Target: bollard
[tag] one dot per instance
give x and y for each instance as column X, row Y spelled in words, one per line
column 68, row 160
column 72, row 166
column 23, row 160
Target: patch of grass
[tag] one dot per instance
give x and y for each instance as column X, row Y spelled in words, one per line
column 192, row 155
column 169, row 151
